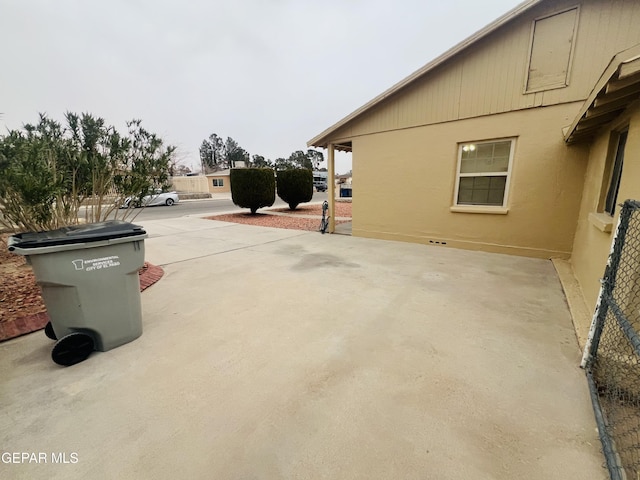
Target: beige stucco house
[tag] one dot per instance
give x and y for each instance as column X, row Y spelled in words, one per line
column 218, row 182
column 509, row 141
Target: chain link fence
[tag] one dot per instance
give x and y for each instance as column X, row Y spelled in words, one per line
column 612, row 354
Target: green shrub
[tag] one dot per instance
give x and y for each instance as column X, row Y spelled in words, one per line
column 50, row 170
column 253, row 188
column 295, row 186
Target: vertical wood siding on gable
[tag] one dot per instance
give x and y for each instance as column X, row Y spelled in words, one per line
column 489, row 77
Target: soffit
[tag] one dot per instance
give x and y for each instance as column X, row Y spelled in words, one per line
column 618, row 86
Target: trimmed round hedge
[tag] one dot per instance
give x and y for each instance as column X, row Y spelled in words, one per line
column 295, row 186
column 252, row 188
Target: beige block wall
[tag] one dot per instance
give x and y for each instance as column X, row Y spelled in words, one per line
column 190, row 184
column 406, row 180
column 592, row 245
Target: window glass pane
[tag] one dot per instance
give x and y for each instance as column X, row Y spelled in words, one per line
column 482, row 182
column 496, row 197
column 467, row 182
column 469, row 151
column 500, row 164
column 464, row 195
column 480, row 197
column 502, row 149
column 616, row 175
column 482, row 190
column 498, row 183
column 485, row 150
column 469, row 165
column 485, row 157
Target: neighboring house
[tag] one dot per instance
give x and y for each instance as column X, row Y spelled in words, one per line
column 219, row 181
column 508, row 142
column 345, row 178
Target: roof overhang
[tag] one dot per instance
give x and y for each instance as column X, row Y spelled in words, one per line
column 323, row 139
column 343, row 146
column 219, row 173
column 618, row 86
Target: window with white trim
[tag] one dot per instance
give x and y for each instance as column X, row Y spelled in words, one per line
column 218, row 182
column 615, row 173
column 483, row 172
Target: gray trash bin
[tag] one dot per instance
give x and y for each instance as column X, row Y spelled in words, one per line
column 90, row 284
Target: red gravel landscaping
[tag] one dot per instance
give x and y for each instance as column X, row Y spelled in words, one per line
column 292, row 220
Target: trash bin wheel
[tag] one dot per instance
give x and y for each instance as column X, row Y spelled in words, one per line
column 73, row 348
column 48, row 331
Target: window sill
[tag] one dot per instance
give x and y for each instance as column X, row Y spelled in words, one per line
column 479, row 209
column 601, row 221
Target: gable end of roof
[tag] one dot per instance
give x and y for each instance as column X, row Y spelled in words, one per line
column 321, row 139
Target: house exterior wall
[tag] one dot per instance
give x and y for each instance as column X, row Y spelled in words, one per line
column 490, row 76
column 591, row 245
column 226, row 183
column 190, row 184
column 544, row 194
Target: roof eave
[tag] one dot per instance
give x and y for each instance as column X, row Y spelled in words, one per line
column 321, row 140
column 607, row 100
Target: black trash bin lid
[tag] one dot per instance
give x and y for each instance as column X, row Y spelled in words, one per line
column 91, row 232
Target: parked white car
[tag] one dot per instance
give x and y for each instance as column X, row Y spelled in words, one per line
column 158, row 198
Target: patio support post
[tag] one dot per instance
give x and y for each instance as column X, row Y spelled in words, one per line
column 331, row 183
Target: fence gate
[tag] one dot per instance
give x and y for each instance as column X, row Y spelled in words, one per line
column 612, row 353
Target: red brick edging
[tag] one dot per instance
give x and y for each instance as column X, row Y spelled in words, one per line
column 149, row 275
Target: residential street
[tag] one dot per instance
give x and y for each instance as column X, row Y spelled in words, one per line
column 202, row 207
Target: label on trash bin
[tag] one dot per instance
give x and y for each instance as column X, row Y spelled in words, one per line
column 91, row 264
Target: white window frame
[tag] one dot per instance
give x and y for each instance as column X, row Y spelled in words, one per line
column 612, row 181
column 218, row 182
column 507, row 174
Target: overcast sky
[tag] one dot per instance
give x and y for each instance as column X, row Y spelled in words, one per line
column 271, row 74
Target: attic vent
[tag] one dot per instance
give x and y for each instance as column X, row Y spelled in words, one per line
column 552, row 42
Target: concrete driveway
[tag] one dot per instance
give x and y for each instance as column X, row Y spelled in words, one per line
column 271, row 354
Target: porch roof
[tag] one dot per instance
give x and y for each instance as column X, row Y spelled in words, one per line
column 618, row 86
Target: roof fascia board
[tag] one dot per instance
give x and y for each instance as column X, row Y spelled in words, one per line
column 507, row 17
column 609, row 72
column 629, row 68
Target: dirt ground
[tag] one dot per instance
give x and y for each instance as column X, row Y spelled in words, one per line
column 19, row 292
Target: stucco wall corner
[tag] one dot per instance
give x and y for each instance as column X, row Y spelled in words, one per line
column 580, row 314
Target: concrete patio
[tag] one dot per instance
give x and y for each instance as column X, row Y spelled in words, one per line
column 271, row 354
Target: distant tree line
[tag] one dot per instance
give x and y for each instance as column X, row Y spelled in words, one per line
column 218, row 154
